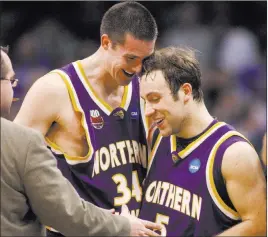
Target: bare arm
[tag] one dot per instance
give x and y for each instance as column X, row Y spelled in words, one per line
column 264, row 150
column 42, row 103
column 246, row 188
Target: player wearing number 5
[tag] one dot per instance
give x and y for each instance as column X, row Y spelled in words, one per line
column 204, row 178
column 89, row 111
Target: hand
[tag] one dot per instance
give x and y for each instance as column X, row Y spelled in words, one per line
column 140, row 227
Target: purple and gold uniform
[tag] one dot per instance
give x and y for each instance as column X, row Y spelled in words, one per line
column 112, row 172
column 184, row 188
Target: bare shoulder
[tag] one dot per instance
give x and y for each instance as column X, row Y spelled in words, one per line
column 50, row 84
column 239, row 160
column 43, row 103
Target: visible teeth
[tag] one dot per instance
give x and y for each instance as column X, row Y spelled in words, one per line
column 130, row 74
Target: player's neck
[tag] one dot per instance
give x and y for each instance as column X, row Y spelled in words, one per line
column 97, row 75
column 197, row 120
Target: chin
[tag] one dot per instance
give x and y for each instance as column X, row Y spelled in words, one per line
column 124, row 82
column 165, row 132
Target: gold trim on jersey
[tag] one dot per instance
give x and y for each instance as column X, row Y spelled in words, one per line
column 72, row 160
column 153, row 152
column 228, row 211
column 104, row 106
column 193, row 145
column 190, row 148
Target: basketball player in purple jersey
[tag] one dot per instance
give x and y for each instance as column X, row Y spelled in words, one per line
column 89, row 111
column 204, row 178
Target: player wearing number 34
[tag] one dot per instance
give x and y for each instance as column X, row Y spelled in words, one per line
column 90, row 112
column 204, row 178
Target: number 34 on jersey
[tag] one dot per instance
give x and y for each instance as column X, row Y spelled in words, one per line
column 125, row 192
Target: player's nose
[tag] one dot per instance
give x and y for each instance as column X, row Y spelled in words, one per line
column 149, row 110
column 138, row 68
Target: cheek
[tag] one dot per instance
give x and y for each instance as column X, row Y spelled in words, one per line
column 9, row 93
column 6, row 96
column 117, row 64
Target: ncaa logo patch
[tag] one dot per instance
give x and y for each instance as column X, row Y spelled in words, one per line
column 194, row 165
column 95, row 119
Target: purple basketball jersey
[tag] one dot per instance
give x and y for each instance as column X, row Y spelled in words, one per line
column 184, row 189
column 112, row 172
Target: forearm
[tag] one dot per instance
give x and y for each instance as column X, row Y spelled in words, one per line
column 246, row 228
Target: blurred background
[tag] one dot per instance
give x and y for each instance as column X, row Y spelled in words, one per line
column 230, row 39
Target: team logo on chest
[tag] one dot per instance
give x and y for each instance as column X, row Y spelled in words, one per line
column 119, row 113
column 95, row 119
column 194, row 165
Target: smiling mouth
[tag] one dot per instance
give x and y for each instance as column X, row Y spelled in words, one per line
column 128, row 74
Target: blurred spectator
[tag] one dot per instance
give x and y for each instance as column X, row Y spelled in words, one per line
column 184, row 28
column 239, row 49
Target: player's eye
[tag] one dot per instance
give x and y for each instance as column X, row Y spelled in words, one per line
column 130, row 58
column 155, row 99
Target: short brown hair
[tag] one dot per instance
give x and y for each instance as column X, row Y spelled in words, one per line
column 178, row 65
column 128, row 17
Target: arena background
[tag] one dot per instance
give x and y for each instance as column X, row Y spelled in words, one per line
column 230, row 38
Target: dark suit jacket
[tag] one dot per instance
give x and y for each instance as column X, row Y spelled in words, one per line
column 34, row 193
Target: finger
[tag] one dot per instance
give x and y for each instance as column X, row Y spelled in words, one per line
column 150, row 232
column 112, row 211
column 124, row 209
column 142, row 233
column 152, row 225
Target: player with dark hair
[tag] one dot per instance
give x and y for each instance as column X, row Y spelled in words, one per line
column 32, row 185
column 89, row 111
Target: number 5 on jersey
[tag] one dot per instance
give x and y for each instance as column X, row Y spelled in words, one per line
column 163, row 220
column 122, row 188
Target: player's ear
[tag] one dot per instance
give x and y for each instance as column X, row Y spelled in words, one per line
column 105, row 41
column 187, row 91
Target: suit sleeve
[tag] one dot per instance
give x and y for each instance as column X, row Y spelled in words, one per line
column 57, row 204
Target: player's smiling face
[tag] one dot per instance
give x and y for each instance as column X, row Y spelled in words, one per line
column 126, row 59
column 168, row 114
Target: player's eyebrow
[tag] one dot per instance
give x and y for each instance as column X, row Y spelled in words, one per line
column 132, row 55
column 150, row 93
column 135, row 56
